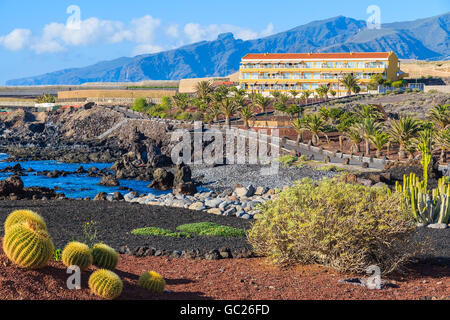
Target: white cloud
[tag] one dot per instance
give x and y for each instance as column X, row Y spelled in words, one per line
column 146, row 49
column 172, row 31
column 16, row 40
column 146, row 33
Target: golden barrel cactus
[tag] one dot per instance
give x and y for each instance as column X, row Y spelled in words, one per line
column 77, row 254
column 105, row 284
column 28, row 246
column 19, row 216
column 153, row 282
column 104, row 256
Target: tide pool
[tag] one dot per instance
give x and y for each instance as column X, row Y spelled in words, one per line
column 74, row 185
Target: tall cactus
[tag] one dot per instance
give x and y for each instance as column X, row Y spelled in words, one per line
column 28, row 246
column 77, row 254
column 19, row 216
column 425, row 206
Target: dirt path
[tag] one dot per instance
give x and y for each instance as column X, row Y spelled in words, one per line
column 245, row 279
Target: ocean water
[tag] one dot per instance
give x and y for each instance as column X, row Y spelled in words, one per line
column 75, row 185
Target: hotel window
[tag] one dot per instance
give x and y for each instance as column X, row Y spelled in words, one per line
column 316, row 75
column 286, row 75
column 340, row 64
column 269, row 65
column 351, row 64
column 296, row 76
column 305, row 86
column 246, row 76
column 382, row 65
column 308, row 65
column 314, row 86
column 255, row 76
column 257, row 66
column 317, row 65
column 361, row 65
column 359, row 75
column 307, row 75
column 328, row 64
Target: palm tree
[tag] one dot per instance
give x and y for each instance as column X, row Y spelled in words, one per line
column 440, row 115
column 306, row 94
column 323, row 90
column 181, row 101
column 203, row 89
column 228, row 108
column 379, row 140
column 355, row 137
column 246, row 113
column 262, row 103
column 214, row 112
column 299, row 125
column 315, row 125
column 403, row 131
column 368, row 111
column 442, row 140
column 367, row 128
column 294, row 94
column 350, row 82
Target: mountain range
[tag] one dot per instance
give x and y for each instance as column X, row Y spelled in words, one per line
column 424, row 39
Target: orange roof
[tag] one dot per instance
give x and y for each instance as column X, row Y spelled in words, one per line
column 306, row 56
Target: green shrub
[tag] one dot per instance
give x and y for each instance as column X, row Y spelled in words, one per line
column 344, row 226
column 159, row 232
column 288, row 160
column 46, row 98
column 140, row 105
column 211, row 229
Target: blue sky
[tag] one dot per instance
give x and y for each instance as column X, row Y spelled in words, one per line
column 36, row 36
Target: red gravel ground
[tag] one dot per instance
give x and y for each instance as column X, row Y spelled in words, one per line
column 246, row 279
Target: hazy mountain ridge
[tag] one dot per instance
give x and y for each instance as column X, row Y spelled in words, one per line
column 421, row 39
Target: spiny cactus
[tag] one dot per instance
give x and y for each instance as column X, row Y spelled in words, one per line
column 153, row 282
column 19, row 216
column 106, row 284
column 28, row 246
column 105, row 256
column 78, row 254
column 425, row 206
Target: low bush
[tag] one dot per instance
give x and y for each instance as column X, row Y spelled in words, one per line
column 159, row 232
column 211, row 229
column 344, row 226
